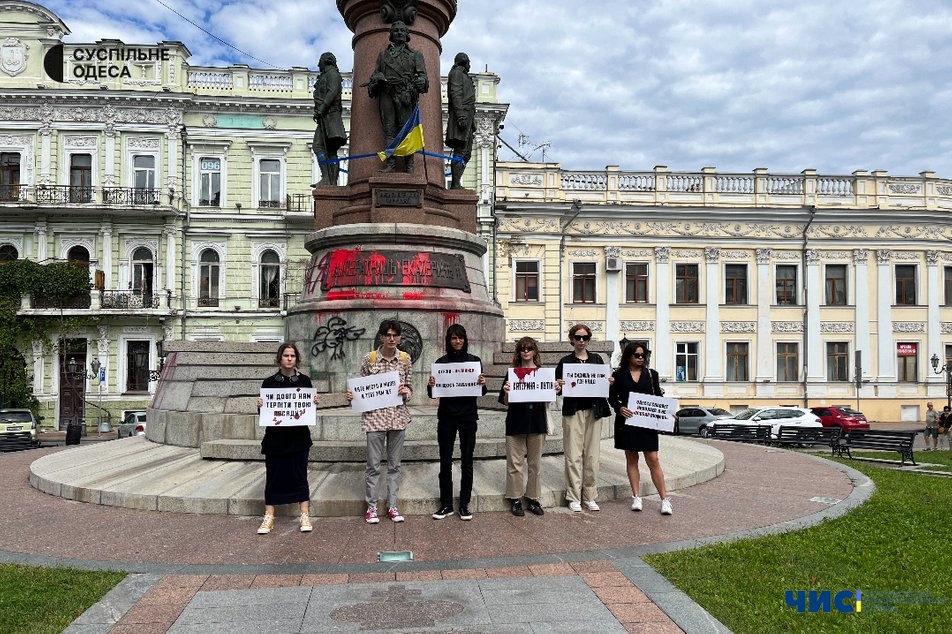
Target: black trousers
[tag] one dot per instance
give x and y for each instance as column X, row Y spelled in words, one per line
column 446, row 431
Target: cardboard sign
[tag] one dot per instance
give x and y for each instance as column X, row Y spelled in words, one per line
column 287, row 407
column 531, row 385
column 456, row 379
column 585, row 380
column 653, row 412
column 375, row 391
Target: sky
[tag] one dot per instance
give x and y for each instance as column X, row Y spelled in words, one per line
column 730, row 84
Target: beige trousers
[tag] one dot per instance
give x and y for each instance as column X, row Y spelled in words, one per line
column 581, row 439
column 519, row 451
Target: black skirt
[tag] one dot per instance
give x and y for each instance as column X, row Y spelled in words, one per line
column 286, row 479
column 634, row 438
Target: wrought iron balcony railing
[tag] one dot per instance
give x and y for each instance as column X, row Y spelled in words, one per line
column 81, row 194
column 132, row 299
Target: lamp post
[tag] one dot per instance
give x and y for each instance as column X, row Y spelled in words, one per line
column 96, row 366
column 947, row 370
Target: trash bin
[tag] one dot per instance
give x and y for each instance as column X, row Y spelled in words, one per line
column 73, row 433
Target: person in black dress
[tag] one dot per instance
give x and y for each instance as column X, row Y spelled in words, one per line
column 285, row 449
column 633, row 375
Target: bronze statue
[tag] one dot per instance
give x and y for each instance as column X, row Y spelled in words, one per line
column 397, row 83
column 462, row 117
column 329, row 136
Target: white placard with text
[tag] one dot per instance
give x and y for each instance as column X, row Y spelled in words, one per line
column 287, row 407
column 456, row 379
column 531, row 385
column 375, row 391
column 653, row 412
column 585, row 380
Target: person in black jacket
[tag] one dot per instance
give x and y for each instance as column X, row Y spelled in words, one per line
column 285, row 449
column 456, row 415
column 633, row 375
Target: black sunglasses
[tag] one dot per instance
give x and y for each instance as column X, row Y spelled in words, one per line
column 638, row 355
column 526, row 349
column 582, row 337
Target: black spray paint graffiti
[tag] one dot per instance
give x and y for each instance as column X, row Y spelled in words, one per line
column 333, row 335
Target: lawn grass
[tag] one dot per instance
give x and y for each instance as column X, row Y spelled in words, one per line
column 890, row 543
column 40, row 600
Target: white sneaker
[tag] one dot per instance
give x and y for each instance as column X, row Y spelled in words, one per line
column 591, row 506
column 635, row 503
column 575, row 506
column 306, row 526
column 666, row 506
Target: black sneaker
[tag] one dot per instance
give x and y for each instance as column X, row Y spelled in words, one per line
column 535, row 507
column 464, row 513
column 445, row 511
column 517, row 508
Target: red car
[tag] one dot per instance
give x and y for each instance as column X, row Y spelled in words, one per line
column 845, row 418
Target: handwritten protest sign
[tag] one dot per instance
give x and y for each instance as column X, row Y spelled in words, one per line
column 287, row 407
column 653, row 412
column 456, row 379
column 375, row 391
column 585, row 380
column 531, row 385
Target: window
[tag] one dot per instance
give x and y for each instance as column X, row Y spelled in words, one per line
column 208, row 272
column 209, row 182
column 685, row 360
column 836, row 285
column 527, row 281
column 906, row 284
column 143, row 180
column 270, row 282
column 141, row 284
column 8, row 253
column 9, row 175
column 80, row 178
column 269, row 183
column 907, row 356
column 788, row 362
column 137, row 366
column 685, row 284
column 583, row 282
column 837, row 362
column 636, row 282
column 737, row 362
column 948, row 286
column 786, row 283
column 735, row 284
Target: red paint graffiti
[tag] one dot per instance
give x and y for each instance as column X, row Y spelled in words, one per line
column 522, row 373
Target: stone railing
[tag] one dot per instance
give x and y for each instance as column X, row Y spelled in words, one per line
column 547, row 182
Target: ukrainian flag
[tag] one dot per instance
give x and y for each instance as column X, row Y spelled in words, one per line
column 409, row 140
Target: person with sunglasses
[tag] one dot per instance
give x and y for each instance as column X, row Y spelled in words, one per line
column 525, row 435
column 633, row 375
column 581, row 428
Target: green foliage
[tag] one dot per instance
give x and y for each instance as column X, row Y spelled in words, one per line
column 888, row 544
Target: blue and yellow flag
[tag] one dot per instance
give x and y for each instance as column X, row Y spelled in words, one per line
column 408, row 141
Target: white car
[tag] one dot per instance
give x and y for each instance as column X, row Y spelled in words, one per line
column 132, row 425
column 775, row 416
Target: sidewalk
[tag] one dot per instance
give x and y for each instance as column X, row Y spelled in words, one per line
column 564, row 572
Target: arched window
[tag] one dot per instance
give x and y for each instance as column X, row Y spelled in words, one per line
column 142, row 265
column 79, row 255
column 8, row 252
column 208, row 278
column 270, row 280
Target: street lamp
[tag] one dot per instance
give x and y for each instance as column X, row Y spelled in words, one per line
column 947, row 369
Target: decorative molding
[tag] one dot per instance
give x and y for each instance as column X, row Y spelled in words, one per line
column 906, row 256
column 78, row 142
column 904, row 188
column 687, row 326
column 525, row 179
column 860, row 256
column 786, row 326
column 932, row 257
column 946, row 327
column 143, row 143
column 837, row 255
column 584, row 253
column 812, row 257
column 763, row 256
column 686, row 253
column 612, row 252
column 639, row 253
column 735, row 254
column 883, row 256
column 13, row 57
column 594, row 326
column 786, row 255
column 908, row 232
column 839, row 231
column 637, row 326
column 523, row 325
column 662, row 254
column 945, row 190
column 837, row 326
column 738, row 326
column 712, row 254
column 908, row 326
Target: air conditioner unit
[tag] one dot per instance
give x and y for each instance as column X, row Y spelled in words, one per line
column 612, row 264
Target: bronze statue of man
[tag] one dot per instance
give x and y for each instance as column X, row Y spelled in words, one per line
column 329, row 136
column 397, row 83
column 462, row 117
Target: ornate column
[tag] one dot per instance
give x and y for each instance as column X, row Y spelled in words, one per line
column 109, row 170
column 612, row 295
column 662, row 291
column 38, row 369
column 170, row 256
column 933, row 326
column 885, row 351
column 861, row 326
column 106, row 232
column 812, row 343
column 713, row 350
column 765, row 353
column 41, row 240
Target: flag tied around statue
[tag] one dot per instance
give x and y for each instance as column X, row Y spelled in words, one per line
column 531, row 385
column 375, row 391
column 585, row 380
column 456, row 379
column 287, row 407
column 409, row 139
column 653, row 412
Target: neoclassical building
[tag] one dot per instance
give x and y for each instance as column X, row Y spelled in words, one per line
column 751, row 289
column 185, row 190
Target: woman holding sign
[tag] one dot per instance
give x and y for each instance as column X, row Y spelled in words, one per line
column 525, row 433
column 285, row 449
column 633, row 375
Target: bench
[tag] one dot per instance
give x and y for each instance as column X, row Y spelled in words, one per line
column 878, row 440
column 796, row 435
column 743, row 433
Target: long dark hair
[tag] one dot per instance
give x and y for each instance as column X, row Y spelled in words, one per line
column 284, row 346
column 458, row 331
column 536, row 357
column 630, row 349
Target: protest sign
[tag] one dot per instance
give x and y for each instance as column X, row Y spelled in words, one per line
column 531, row 385
column 287, row 407
column 456, row 379
column 375, row 391
column 585, row 380
column 653, row 412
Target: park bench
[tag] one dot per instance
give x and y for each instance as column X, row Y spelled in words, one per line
column 742, row 433
column 878, row 440
column 805, row 436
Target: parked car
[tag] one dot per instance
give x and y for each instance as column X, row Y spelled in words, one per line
column 694, row 420
column 133, row 424
column 845, row 418
column 18, row 429
column 775, row 416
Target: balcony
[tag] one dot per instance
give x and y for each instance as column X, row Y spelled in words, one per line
column 77, row 302
column 122, row 300
column 82, row 195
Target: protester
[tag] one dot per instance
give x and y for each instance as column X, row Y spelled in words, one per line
column 930, row 436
